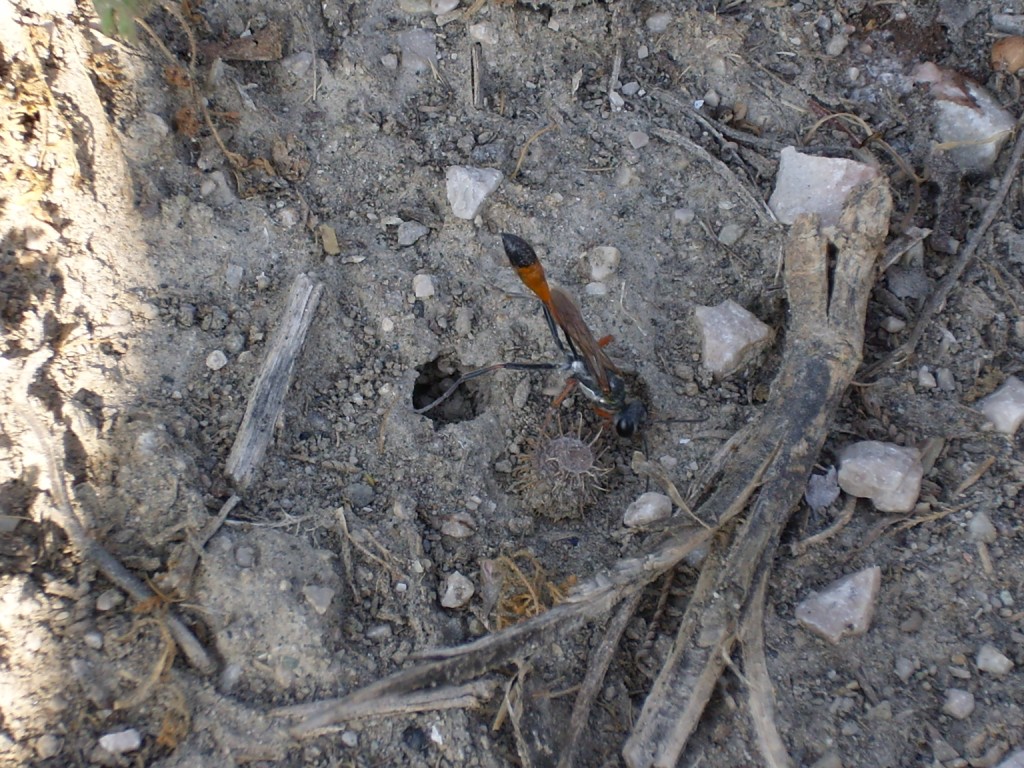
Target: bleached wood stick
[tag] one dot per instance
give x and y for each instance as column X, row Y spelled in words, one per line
column 267, row 397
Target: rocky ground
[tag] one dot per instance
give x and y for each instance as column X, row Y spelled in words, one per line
column 162, row 192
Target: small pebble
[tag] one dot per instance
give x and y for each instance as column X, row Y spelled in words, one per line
column 48, row 745
column 467, row 188
column 959, row 703
column 359, row 495
column 122, row 741
column 944, row 377
column 683, row 216
column 1004, row 408
column 604, row 260
column 458, row 525
column 380, row 632
column 411, row 231
column 637, row 139
column 319, row 597
column 439, row 7
column 93, row 640
column 389, row 61
column 811, row 184
column 890, row 475
column 230, row 677
column 297, row 64
column 463, row 321
column 658, row 22
column 980, row 529
column 837, row 45
column 216, row 360
column 458, row 590
column 484, row 33
column 350, row 738
column 731, row 234
column 843, row 608
column 245, row 556
column 905, row 668
column 893, row 324
column 109, row 600
column 925, row 379
column 423, row 286
column 649, row 508
column 730, row 335
column 990, row 659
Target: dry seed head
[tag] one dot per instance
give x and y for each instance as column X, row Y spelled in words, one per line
column 562, row 474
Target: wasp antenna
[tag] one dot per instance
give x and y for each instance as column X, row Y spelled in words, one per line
column 519, row 252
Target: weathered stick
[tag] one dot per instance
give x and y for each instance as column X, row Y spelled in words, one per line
column 823, row 352
column 267, row 397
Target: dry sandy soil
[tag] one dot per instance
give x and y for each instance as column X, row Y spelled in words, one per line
column 160, row 196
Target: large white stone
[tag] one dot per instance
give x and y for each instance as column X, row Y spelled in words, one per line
column 809, row 184
column 729, row 336
column 469, row 187
column 1005, row 407
column 890, row 475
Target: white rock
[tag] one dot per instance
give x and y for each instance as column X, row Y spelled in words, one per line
column 411, row 231
column 959, row 703
column 649, row 508
column 992, row 660
column 419, row 51
column 980, row 529
column 439, row 7
column 122, row 741
column 48, row 745
column 637, row 139
column 809, row 184
column 318, row 597
column 890, row 475
column 458, row 590
column 484, row 33
column 967, row 118
column 298, row 64
column 216, row 360
column 822, row 490
column 658, row 22
column 844, row 608
column 731, row 233
column 730, row 335
column 603, row 259
column 423, row 286
column 1005, row 407
column 469, row 187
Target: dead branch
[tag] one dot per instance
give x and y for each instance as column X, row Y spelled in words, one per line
column 267, row 397
column 769, row 464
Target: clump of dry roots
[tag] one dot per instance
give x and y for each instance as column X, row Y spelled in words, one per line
column 562, row 473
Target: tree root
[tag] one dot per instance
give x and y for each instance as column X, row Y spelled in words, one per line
column 767, row 466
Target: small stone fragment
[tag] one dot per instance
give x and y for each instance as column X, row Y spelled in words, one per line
column 980, row 529
column 329, row 238
column 469, row 187
column 297, row 64
column 822, row 490
column 216, row 360
column 411, row 231
column 844, row 608
column 658, row 22
column 730, row 336
column 990, row 659
column 637, row 139
column 731, row 234
column 122, row 741
column 319, row 597
column 649, row 508
column 959, row 703
column 93, row 639
column 890, row 475
column 968, row 121
column 604, row 259
column 439, row 7
column 809, row 184
column 109, row 600
column 1004, row 408
column 48, row 745
column 905, row 668
column 350, row 739
column 458, row 590
column 423, row 286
